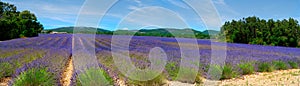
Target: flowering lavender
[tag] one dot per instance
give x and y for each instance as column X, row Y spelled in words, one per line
column 236, row 53
column 53, row 52
column 50, row 52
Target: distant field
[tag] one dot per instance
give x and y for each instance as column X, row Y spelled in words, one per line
column 49, row 56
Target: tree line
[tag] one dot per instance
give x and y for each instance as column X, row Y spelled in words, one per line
column 16, row 24
column 252, row 30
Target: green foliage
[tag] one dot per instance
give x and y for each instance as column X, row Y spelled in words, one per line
column 252, row 30
column 15, row 24
column 172, row 70
column 6, row 69
column 215, row 71
column 94, row 77
column 228, row 72
column 265, row 67
column 35, row 77
column 159, row 32
column 293, row 64
column 187, row 75
column 167, row 32
column 247, row 68
column 10, row 53
column 280, row 65
column 199, row 79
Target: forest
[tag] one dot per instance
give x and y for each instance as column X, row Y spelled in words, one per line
column 253, row 30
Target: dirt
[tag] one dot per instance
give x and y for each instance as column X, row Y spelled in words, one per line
column 281, row 77
column 4, row 81
column 177, row 83
column 67, row 74
column 120, row 82
column 289, row 77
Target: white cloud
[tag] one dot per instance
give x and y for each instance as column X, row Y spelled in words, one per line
column 152, row 16
column 227, row 11
column 221, row 2
column 206, row 10
column 62, row 19
column 133, row 8
column 139, row 2
column 124, row 28
column 178, row 4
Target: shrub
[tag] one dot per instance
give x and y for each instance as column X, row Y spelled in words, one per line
column 187, row 75
column 35, row 77
column 228, row 72
column 94, row 77
column 214, row 71
column 247, row 68
column 199, row 79
column 172, row 69
column 294, row 65
column 265, row 67
column 6, row 69
column 280, row 65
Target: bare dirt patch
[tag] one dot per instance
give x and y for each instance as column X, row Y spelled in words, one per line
column 177, row 83
column 289, row 77
column 4, row 81
column 67, row 74
column 120, row 82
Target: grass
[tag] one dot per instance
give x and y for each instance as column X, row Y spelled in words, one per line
column 11, row 53
column 228, row 72
column 265, row 67
column 217, row 72
column 199, row 79
column 172, row 70
column 94, row 77
column 6, row 69
column 35, row 77
column 247, row 68
column 187, row 75
column 214, row 72
column 280, row 65
column 293, row 65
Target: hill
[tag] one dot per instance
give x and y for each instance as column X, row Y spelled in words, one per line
column 160, row 32
column 79, row 30
column 211, row 32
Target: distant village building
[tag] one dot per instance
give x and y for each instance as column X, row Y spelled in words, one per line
column 58, row 32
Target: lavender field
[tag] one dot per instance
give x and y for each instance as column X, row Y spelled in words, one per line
column 51, row 54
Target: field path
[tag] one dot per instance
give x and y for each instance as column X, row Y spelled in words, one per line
column 67, row 74
column 289, row 77
column 4, row 81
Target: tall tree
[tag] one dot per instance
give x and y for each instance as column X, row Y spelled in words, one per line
column 252, row 30
column 15, row 24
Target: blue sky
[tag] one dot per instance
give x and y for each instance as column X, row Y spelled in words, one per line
column 127, row 14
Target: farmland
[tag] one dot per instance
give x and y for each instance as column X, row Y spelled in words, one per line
column 48, row 57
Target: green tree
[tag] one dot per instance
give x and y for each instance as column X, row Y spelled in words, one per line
column 252, row 30
column 15, row 24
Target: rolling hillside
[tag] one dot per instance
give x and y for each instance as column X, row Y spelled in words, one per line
column 160, row 32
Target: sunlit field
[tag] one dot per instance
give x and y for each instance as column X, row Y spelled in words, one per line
column 149, row 43
column 44, row 59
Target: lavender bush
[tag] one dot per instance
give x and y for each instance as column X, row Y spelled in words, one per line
column 53, row 51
